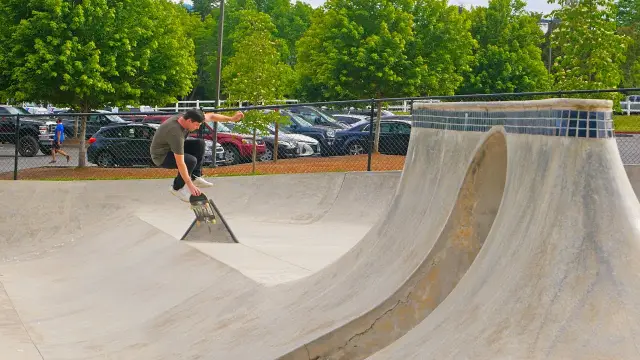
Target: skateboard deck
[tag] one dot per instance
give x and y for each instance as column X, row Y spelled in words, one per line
column 203, row 209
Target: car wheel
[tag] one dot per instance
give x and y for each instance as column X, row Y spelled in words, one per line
column 356, row 149
column 45, row 150
column 28, row 146
column 267, row 155
column 105, row 159
column 231, row 154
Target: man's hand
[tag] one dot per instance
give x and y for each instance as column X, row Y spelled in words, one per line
column 194, row 189
column 238, row 116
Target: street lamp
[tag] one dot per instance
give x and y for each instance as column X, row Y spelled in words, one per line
column 220, row 37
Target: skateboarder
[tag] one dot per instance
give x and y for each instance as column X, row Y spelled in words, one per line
column 58, row 139
column 170, row 149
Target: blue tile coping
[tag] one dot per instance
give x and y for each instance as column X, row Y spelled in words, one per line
column 552, row 117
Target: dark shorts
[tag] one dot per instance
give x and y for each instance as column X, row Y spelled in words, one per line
column 55, row 145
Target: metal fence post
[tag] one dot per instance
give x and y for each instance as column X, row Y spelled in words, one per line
column 373, row 106
column 15, row 155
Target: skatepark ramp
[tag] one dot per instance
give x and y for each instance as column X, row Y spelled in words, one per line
column 510, row 233
column 558, row 275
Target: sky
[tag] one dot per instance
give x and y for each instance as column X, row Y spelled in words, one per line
column 532, row 5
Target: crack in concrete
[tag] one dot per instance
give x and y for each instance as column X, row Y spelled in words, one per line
column 373, row 324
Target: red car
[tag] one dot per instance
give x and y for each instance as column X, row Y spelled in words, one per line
column 237, row 147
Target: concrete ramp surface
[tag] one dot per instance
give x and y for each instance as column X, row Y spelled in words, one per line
column 510, row 233
column 557, row 277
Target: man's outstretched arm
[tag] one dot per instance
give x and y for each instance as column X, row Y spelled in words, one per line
column 223, row 118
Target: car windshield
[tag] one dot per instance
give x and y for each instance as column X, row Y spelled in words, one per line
column 17, row 110
column 272, row 129
column 302, row 122
column 359, row 123
column 115, row 118
column 328, row 117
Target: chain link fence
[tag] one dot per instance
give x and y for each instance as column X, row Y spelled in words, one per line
column 315, row 137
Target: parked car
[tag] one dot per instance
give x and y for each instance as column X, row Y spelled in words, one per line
column 289, row 144
column 316, row 116
column 394, row 138
column 155, row 119
column 30, row 131
column 297, row 125
column 94, row 123
column 367, row 112
column 129, row 144
column 350, row 119
column 237, row 147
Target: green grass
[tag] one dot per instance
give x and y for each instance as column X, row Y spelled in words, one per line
column 624, row 123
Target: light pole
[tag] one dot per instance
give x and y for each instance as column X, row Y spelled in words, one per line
column 547, row 25
column 218, row 76
column 220, row 37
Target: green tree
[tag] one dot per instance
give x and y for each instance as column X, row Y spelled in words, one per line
column 628, row 13
column 256, row 72
column 359, row 48
column 204, row 7
column 291, row 21
column 629, row 26
column 381, row 48
column 591, row 52
column 443, row 46
column 631, row 66
column 508, row 57
column 205, row 37
column 89, row 54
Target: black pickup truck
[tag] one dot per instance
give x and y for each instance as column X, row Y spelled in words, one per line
column 30, row 130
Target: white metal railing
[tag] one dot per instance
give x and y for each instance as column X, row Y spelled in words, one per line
column 630, row 106
column 190, row 104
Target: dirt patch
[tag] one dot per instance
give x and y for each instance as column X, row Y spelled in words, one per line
column 283, row 166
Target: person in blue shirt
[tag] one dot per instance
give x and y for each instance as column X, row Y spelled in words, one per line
column 58, row 139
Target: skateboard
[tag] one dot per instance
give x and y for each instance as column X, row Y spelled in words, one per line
column 203, row 209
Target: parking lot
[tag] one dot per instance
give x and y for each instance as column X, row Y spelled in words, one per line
column 628, row 145
column 7, row 159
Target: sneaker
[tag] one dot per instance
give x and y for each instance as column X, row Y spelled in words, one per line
column 183, row 194
column 201, row 182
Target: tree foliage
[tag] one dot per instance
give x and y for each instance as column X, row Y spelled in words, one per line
column 508, row 57
column 89, row 54
column 628, row 13
column 443, row 46
column 359, row 48
column 591, row 50
column 256, row 73
column 629, row 25
column 205, row 38
column 205, row 7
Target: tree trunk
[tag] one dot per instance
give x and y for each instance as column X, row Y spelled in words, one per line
column 82, row 151
column 275, row 146
column 376, row 138
column 253, row 155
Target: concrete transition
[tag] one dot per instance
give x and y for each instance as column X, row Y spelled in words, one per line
column 511, row 233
